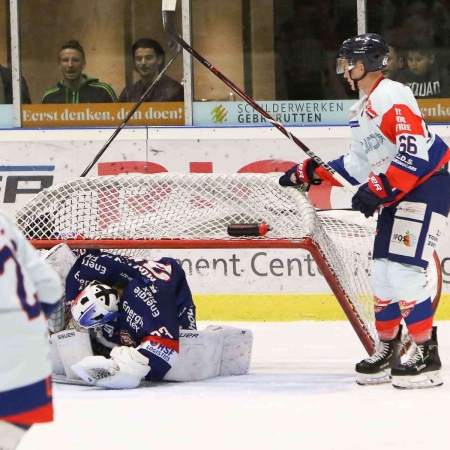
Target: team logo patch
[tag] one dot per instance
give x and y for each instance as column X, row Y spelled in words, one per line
column 126, row 338
column 369, row 110
column 406, row 307
column 380, row 305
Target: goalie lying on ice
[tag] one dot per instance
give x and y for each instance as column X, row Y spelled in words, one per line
column 140, row 318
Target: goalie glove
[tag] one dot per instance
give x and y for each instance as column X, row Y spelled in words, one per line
column 125, row 370
column 372, row 194
column 301, row 175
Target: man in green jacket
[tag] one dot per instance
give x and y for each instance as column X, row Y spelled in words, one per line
column 77, row 87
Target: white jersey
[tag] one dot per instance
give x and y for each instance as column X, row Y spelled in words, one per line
column 389, row 136
column 26, row 281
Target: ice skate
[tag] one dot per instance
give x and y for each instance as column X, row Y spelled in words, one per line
column 422, row 368
column 377, row 368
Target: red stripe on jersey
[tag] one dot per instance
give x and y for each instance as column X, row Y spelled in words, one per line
column 401, row 179
column 38, row 415
column 167, row 342
column 325, row 175
column 401, row 120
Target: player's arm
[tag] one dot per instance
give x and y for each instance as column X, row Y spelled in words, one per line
column 100, row 266
column 161, row 352
column 46, row 280
column 354, row 166
column 184, row 301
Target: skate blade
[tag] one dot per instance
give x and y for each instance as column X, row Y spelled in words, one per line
column 421, row 381
column 365, row 379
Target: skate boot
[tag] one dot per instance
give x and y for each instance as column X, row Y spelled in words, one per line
column 377, row 368
column 421, row 370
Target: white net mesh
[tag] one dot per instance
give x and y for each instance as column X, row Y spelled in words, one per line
column 181, row 207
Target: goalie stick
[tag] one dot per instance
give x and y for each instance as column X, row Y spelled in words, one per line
column 175, row 49
column 169, row 7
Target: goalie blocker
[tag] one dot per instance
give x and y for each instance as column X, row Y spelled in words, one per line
column 214, row 351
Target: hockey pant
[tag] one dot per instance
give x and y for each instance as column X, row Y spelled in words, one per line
column 407, row 236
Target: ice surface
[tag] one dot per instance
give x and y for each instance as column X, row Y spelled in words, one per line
column 300, row 394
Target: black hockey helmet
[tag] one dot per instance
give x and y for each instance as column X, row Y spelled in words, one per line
column 370, row 48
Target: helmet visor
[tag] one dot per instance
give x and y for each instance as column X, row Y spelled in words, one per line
column 344, row 64
column 95, row 315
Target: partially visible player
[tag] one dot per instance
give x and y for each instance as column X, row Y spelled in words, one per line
column 137, row 307
column 29, row 290
column 401, row 167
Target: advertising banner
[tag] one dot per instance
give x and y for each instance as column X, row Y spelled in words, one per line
column 325, row 112
column 435, row 109
column 101, row 115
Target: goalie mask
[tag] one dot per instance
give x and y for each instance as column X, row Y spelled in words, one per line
column 370, row 48
column 96, row 304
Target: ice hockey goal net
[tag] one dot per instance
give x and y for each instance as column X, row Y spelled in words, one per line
column 136, row 212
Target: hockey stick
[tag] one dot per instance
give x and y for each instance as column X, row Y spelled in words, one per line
column 175, row 48
column 169, row 7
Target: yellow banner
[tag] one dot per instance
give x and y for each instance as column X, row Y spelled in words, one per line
column 101, row 115
column 435, row 109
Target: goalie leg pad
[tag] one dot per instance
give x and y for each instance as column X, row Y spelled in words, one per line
column 61, row 258
column 200, row 356
column 215, row 351
column 55, row 359
column 237, row 350
column 72, row 346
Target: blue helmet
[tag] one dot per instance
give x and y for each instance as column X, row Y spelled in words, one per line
column 370, row 48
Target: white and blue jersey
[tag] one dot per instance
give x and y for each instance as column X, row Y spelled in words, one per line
column 390, row 136
column 155, row 303
column 29, row 290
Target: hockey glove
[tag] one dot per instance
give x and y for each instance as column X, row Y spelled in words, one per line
column 300, row 175
column 124, row 370
column 372, row 194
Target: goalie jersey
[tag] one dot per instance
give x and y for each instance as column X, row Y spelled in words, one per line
column 389, row 136
column 156, row 302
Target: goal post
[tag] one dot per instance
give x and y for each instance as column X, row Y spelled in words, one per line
column 134, row 213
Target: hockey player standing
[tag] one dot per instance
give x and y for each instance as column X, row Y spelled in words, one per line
column 137, row 307
column 30, row 289
column 402, row 168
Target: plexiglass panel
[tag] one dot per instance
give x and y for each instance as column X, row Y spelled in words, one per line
column 281, row 53
column 82, row 60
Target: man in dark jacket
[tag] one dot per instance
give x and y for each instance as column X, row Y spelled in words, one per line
column 149, row 59
column 75, row 86
column 6, row 93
